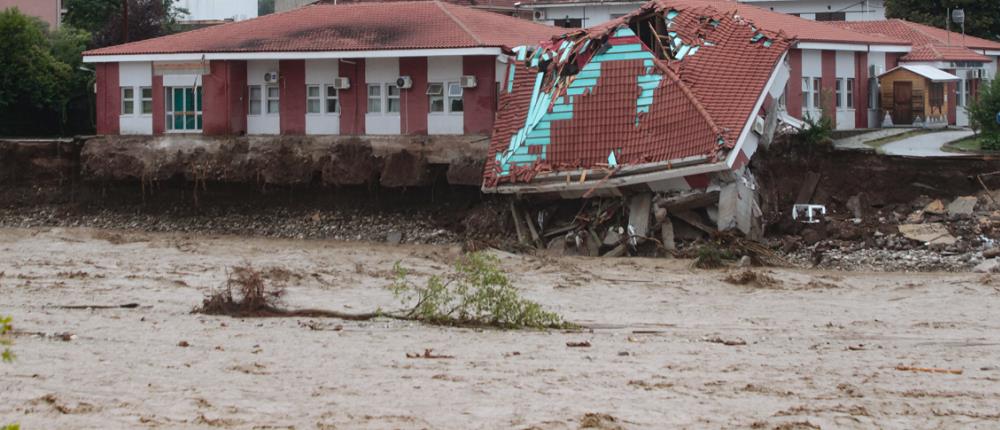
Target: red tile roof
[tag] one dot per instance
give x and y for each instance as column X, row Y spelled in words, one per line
column 802, row 29
column 931, row 52
column 351, row 27
column 917, row 34
column 695, row 110
column 479, row 4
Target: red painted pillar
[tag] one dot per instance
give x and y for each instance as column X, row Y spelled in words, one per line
column 108, row 99
column 415, row 103
column 892, row 60
column 480, row 102
column 951, row 92
column 293, row 96
column 860, row 90
column 236, row 94
column 159, row 106
column 353, row 101
column 215, row 106
column 793, row 91
column 829, row 85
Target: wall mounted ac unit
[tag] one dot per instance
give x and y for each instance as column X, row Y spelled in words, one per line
column 758, row 125
column 341, row 83
column 467, row 81
column 271, row 77
column 874, row 70
column 404, row 82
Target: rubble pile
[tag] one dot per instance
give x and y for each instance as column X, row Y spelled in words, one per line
column 926, row 235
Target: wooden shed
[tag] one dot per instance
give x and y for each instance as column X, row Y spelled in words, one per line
column 909, row 92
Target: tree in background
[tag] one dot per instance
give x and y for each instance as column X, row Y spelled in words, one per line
column 983, row 114
column 265, row 7
column 31, row 78
column 982, row 17
column 104, row 19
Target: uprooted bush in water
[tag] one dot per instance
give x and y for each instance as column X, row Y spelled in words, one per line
column 479, row 293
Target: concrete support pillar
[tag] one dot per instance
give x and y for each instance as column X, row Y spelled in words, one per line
column 413, row 117
column 793, row 90
column 480, row 102
column 293, row 96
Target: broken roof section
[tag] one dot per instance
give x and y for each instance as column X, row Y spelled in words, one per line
column 674, row 83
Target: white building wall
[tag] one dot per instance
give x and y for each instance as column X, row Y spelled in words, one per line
column 379, row 71
column 322, row 73
column 264, row 123
column 812, row 67
column 591, row 15
column 854, row 10
column 135, row 76
column 217, row 10
column 844, row 70
column 444, row 69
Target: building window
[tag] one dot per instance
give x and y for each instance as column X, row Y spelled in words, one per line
column 805, row 93
column 374, row 98
column 314, row 100
column 392, row 98
column 332, row 99
column 456, row 104
column 964, row 92
column 147, row 100
column 839, row 91
column 849, row 91
column 184, row 110
column 873, row 93
column 256, row 99
column 816, row 88
column 568, row 22
column 128, row 101
column 442, row 102
column 831, row 16
column 273, row 100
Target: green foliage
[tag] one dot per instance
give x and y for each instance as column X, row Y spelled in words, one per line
column 30, row 76
column 479, row 293
column 104, row 18
column 11, row 427
column 5, row 328
column 711, row 256
column 982, row 18
column 815, row 132
column 982, row 114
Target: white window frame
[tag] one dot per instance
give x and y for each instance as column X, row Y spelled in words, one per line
column 318, row 99
column 125, row 99
column 143, row 100
column 383, row 98
column 258, row 101
column 327, row 99
column 806, row 93
column 817, row 88
column 268, row 99
column 446, row 97
column 169, row 112
column 849, row 92
column 838, row 91
column 378, row 98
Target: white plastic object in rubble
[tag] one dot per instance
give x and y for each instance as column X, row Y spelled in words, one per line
column 341, row 83
column 467, row 81
column 807, row 212
column 404, row 82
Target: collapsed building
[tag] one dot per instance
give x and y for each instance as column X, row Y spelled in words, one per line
column 364, row 93
column 672, row 99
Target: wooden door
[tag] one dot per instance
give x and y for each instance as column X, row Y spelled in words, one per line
column 902, row 102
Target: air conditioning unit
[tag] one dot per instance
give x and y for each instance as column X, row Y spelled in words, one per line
column 271, row 77
column 874, row 70
column 467, row 81
column 758, row 125
column 404, row 82
column 341, row 83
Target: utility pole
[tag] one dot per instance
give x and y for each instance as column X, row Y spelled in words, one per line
column 124, row 21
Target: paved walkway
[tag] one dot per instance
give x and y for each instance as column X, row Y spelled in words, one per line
column 926, row 145
column 858, row 141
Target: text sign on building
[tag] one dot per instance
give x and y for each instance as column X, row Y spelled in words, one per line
column 161, row 68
